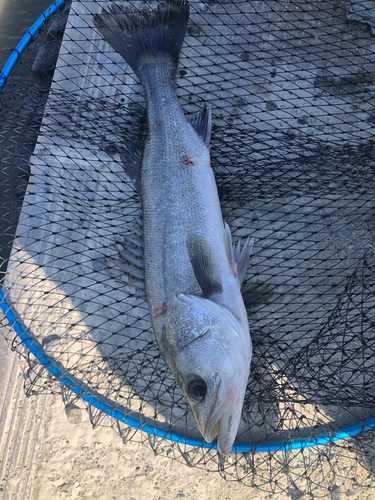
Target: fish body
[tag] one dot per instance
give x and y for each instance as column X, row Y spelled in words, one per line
column 191, row 274
column 179, row 199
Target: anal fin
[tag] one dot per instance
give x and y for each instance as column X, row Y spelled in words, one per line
column 132, row 162
column 130, row 258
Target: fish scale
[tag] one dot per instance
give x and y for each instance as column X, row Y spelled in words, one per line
column 177, row 199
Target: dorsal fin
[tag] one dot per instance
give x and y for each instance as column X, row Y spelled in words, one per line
column 201, row 123
column 239, row 259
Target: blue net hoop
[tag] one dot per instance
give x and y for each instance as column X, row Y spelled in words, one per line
column 323, row 434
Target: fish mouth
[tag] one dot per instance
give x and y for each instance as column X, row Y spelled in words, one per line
column 225, row 417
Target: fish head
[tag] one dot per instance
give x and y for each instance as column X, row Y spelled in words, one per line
column 210, row 354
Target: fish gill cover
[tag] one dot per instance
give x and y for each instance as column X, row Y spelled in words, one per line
column 291, row 86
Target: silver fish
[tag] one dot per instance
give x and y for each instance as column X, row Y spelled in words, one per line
column 192, row 274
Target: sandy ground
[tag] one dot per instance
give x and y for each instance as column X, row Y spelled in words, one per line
column 49, row 453
column 79, row 462
column 55, row 454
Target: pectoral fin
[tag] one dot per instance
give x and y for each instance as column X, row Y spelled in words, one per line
column 205, row 265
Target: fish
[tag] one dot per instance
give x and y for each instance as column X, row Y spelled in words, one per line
column 192, row 274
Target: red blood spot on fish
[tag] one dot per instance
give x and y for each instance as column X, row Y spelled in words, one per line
column 186, row 160
column 156, row 124
column 234, row 267
column 161, row 310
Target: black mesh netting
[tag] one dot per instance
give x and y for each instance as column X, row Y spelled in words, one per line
column 292, row 88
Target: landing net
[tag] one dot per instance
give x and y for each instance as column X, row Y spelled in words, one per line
column 292, row 90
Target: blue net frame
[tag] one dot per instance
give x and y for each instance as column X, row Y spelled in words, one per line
column 72, row 383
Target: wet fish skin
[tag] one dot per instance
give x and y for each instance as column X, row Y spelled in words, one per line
column 205, row 340
column 215, row 348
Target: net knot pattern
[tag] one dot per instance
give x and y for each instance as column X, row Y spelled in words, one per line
column 291, row 85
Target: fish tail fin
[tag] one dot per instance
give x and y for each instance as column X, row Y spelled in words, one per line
column 146, row 38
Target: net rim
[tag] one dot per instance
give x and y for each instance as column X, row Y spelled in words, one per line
column 27, row 39
column 95, row 401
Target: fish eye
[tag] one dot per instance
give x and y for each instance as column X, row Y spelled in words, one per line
column 196, row 389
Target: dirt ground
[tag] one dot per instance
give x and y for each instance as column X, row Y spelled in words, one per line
column 79, row 462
